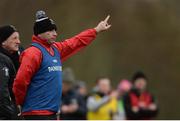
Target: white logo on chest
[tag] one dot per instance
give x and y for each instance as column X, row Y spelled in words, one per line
column 54, row 68
column 55, row 61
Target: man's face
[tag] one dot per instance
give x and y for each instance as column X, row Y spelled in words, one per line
column 12, row 43
column 50, row 36
column 104, row 86
column 140, row 84
column 82, row 91
column 65, row 87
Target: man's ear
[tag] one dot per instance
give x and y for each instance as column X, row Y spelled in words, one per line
column 3, row 43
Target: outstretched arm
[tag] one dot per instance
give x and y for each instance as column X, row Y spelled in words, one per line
column 71, row 46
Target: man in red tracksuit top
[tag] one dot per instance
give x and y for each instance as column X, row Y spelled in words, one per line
column 37, row 87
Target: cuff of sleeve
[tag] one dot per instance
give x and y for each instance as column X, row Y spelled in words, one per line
column 95, row 31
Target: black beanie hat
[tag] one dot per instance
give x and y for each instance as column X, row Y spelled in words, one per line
column 43, row 23
column 5, row 32
column 139, row 75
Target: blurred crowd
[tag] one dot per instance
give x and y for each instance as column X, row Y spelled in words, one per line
column 129, row 100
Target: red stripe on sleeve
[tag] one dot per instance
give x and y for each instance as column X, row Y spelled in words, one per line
column 70, row 46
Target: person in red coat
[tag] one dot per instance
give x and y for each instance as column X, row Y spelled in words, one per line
column 139, row 103
column 32, row 72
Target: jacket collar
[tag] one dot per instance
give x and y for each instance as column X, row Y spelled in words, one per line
column 40, row 41
column 5, row 52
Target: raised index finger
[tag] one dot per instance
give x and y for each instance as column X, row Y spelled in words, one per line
column 107, row 18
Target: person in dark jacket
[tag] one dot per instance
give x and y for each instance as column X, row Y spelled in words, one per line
column 81, row 90
column 139, row 102
column 9, row 44
column 73, row 106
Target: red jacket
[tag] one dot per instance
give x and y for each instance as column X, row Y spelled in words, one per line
column 31, row 59
column 133, row 98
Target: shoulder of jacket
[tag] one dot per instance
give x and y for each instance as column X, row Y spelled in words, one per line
column 4, row 58
column 5, row 61
column 31, row 51
column 32, row 48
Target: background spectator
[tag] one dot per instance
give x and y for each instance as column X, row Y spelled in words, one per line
column 81, row 89
column 102, row 105
column 124, row 87
column 139, row 102
column 73, row 106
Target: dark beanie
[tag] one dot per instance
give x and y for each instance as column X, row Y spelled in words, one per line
column 139, row 75
column 5, row 32
column 43, row 23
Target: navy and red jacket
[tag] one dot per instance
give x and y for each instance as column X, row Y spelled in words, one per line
column 31, row 58
column 132, row 99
